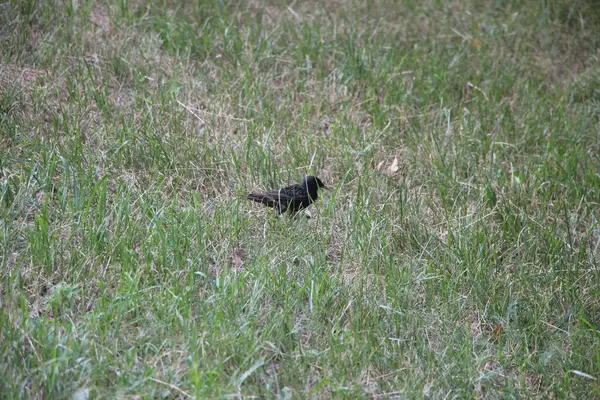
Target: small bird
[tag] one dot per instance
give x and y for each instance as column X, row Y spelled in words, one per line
column 293, row 198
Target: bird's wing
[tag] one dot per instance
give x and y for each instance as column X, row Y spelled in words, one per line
column 282, row 195
column 263, row 198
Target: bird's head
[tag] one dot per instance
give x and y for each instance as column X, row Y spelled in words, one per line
column 313, row 182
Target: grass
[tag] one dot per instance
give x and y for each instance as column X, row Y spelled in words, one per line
column 457, row 256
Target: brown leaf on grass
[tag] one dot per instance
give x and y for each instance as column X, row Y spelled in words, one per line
column 41, row 196
column 237, row 258
column 394, row 167
column 497, row 332
column 389, row 169
column 475, row 326
column 334, row 253
column 366, row 119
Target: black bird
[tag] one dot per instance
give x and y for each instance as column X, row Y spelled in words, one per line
column 292, row 198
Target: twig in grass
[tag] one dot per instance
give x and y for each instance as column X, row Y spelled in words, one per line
column 171, row 386
column 555, row 327
column 479, row 90
column 583, row 374
column 462, row 35
column 312, row 159
column 229, row 117
column 191, row 111
column 32, row 346
column 295, row 14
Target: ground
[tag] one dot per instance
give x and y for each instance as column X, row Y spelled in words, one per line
column 457, row 255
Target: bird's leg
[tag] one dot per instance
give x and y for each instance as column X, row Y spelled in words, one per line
column 281, row 208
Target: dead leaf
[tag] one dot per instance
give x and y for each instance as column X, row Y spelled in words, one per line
column 41, row 196
column 497, row 332
column 334, row 253
column 366, row 119
column 81, row 394
column 237, row 258
column 394, row 167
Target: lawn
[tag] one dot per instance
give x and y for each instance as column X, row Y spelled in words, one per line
column 457, row 254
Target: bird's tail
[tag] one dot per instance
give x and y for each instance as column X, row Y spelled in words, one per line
column 261, row 198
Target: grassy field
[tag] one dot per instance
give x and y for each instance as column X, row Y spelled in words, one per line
column 457, row 256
